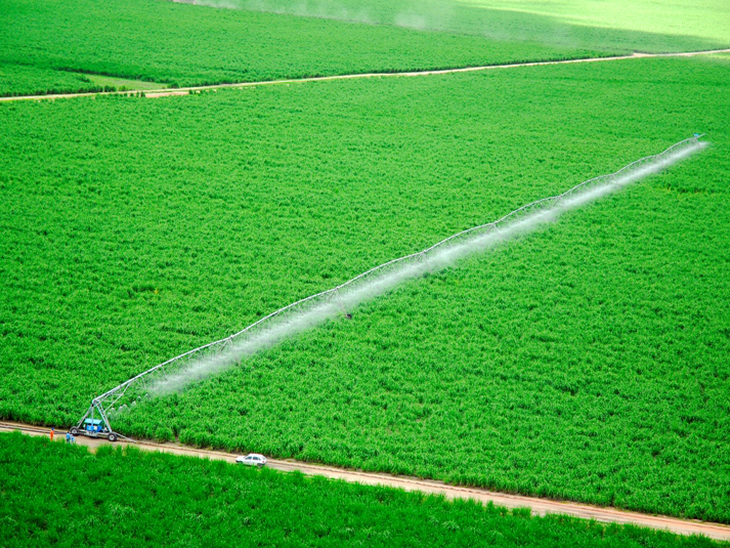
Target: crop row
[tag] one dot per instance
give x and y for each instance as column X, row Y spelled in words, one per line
column 128, row 498
column 586, row 362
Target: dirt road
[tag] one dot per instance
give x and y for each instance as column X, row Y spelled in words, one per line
column 154, row 93
column 537, row 505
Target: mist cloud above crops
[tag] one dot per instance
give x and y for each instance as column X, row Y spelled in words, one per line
column 427, row 15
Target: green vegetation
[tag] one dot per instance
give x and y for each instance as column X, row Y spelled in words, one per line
column 30, row 80
column 181, row 44
column 642, row 25
column 18, row 80
column 586, row 362
column 60, row 46
column 62, row 495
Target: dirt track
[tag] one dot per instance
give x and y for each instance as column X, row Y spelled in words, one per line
column 154, row 93
column 537, row 505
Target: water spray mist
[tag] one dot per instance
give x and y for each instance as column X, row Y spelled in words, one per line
column 200, row 363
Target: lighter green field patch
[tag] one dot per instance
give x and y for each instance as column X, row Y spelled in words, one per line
column 709, row 19
column 123, row 84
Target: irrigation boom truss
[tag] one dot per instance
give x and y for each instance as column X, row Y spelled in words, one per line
column 103, row 406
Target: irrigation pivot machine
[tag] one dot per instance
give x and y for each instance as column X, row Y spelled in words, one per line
column 199, row 363
column 95, row 423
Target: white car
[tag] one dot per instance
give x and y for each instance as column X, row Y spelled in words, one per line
column 253, row 459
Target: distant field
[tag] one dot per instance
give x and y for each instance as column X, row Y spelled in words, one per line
column 642, row 25
column 588, row 362
column 180, row 44
column 684, row 19
column 132, row 498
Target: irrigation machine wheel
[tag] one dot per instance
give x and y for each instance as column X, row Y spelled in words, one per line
column 112, row 436
column 74, row 431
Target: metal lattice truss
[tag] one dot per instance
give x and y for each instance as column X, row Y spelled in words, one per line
column 199, row 363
